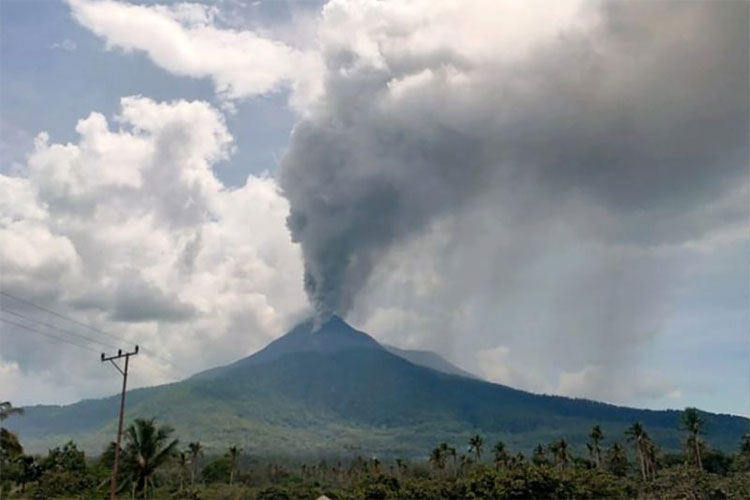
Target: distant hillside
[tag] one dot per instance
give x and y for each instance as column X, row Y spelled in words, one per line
column 335, row 389
column 430, row 360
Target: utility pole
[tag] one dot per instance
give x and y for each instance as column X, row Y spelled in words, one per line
column 111, row 359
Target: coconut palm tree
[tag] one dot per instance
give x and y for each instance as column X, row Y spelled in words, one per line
column 147, row 447
column 745, row 444
column 182, row 461
column 7, row 409
column 233, row 454
column 596, row 435
column 438, row 456
column 196, row 451
column 638, row 436
column 501, row 455
column 450, row 451
column 559, row 450
column 651, row 451
column 539, row 456
column 617, row 460
column 475, row 443
column 692, row 423
column 400, row 465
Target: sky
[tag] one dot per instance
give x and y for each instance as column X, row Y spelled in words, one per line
column 552, row 196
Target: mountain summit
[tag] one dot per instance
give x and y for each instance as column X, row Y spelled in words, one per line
column 335, row 335
column 323, row 390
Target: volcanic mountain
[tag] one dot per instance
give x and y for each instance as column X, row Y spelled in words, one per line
column 335, row 389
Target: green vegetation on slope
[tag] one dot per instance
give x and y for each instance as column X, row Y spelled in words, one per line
column 315, row 392
column 313, row 403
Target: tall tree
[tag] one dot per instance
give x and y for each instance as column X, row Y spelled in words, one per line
column 147, row 447
column 451, row 451
column 475, row 443
column 617, row 460
column 692, row 423
column 651, row 450
column 745, row 444
column 596, row 435
column 501, row 456
column 638, row 436
column 7, row 410
column 233, row 454
column 742, row 459
column 437, row 457
column 196, row 451
column 559, row 450
column 182, row 461
column 539, row 456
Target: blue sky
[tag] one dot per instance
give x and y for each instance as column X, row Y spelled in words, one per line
column 62, row 73
column 606, row 260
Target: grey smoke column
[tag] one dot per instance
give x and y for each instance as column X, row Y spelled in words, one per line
column 647, row 111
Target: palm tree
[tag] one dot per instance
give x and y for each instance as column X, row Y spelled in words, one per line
column 539, row 456
column 196, row 451
column 7, row 409
column 651, row 452
column 182, row 461
column 400, row 467
column 475, row 443
column 693, row 424
column 745, row 444
column 147, row 447
column 559, row 451
column 637, row 435
column 617, row 460
column 233, row 454
column 438, row 455
column 501, row 455
column 596, row 435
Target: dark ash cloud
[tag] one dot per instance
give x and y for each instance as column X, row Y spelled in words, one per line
column 641, row 119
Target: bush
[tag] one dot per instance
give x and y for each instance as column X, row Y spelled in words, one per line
column 217, row 471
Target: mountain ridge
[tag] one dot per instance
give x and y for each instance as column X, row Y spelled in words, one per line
column 322, row 392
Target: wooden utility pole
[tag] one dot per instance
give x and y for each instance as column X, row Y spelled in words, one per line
column 111, row 359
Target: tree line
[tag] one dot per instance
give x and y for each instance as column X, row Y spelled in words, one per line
column 155, row 465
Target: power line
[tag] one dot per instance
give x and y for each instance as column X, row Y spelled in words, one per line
column 150, row 355
column 34, row 320
column 62, row 316
column 73, row 320
column 60, row 339
column 167, row 371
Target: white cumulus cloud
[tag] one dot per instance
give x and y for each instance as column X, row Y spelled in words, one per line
column 129, row 229
column 184, row 40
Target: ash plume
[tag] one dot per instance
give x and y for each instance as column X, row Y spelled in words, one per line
column 641, row 109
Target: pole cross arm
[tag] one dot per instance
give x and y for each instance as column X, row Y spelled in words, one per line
column 119, row 355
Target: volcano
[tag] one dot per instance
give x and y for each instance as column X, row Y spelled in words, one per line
column 325, row 391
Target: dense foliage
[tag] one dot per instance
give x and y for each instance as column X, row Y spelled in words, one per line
column 152, row 466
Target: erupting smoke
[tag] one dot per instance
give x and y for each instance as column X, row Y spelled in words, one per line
column 603, row 105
